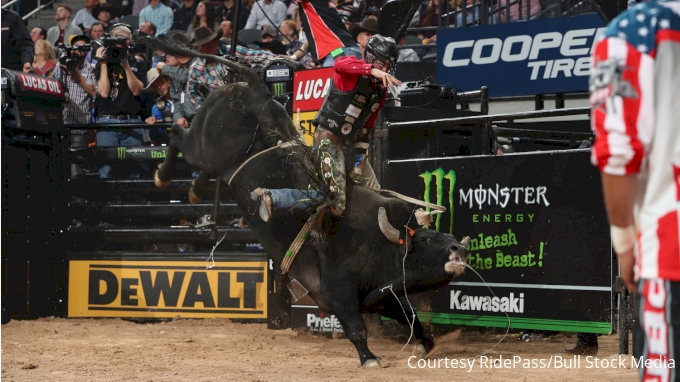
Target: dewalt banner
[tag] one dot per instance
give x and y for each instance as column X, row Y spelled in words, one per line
column 157, row 289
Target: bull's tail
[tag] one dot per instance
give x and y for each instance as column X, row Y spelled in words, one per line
column 252, row 78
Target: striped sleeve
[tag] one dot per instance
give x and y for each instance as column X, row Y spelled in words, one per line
column 622, row 97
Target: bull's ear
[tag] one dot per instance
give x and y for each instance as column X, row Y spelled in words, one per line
column 386, row 228
column 465, row 242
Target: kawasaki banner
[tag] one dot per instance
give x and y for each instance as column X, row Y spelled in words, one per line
column 513, row 59
column 540, row 246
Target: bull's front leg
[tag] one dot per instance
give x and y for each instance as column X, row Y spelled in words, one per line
column 163, row 175
column 354, row 326
column 407, row 317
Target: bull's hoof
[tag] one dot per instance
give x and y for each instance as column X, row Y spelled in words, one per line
column 193, row 198
column 377, row 362
column 158, row 182
column 419, row 351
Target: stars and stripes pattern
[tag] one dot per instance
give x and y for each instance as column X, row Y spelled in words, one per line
column 635, row 94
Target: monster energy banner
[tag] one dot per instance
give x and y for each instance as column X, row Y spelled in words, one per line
column 126, row 153
column 539, row 247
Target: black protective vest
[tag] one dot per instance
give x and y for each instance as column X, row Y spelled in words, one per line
column 345, row 113
column 165, row 109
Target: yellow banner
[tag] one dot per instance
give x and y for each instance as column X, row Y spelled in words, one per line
column 303, row 122
column 167, row 289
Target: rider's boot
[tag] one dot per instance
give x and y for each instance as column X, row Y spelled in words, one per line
column 263, row 199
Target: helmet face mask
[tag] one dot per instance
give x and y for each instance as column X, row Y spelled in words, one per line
column 382, row 53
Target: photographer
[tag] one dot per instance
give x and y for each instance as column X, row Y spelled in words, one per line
column 78, row 76
column 119, row 84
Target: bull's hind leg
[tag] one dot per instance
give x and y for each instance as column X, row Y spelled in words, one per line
column 392, row 309
column 198, row 186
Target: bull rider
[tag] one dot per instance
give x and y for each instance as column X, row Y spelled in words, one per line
column 355, row 96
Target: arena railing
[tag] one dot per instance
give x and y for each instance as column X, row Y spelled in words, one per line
column 87, row 190
column 9, row 3
column 38, row 9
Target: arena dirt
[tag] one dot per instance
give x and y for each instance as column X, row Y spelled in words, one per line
column 220, row 350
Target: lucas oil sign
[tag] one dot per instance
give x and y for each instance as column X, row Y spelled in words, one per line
column 539, row 243
column 153, row 289
column 544, row 56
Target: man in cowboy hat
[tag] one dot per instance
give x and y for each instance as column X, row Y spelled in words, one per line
column 84, row 16
column 105, row 13
column 163, row 109
column 205, row 75
column 61, row 32
column 364, row 31
column 177, row 69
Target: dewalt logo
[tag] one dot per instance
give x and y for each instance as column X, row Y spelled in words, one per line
column 167, row 289
column 444, row 184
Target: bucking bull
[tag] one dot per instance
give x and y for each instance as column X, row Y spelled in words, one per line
column 364, row 264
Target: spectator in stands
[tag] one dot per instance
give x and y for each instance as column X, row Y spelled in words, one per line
column 163, row 108
column 366, row 9
column 268, row 35
column 346, row 11
column 266, row 12
column 148, row 27
column 225, row 12
column 184, row 15
column 326, row 33
column 63, row 31
column 158, row 14
column 530, row 8
column 364, row 32
column 205, row 17
column 38, row 33
column 226, row 29
column 81, row 86
column 44, row 57
column 205, row 75
column 124, row 6
column 138, row 6
column 96, row 31
column 407, row 55
column 84, row 16
column 290, row 36
column 118, row 90
column 17, row 46
column 105, row 13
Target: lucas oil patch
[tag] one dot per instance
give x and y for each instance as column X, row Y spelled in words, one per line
column 346, row 128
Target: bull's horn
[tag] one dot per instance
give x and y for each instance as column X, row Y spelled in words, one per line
column 386, row 228
column 465, row 242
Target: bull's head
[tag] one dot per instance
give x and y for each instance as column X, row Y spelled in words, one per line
column 443, row 247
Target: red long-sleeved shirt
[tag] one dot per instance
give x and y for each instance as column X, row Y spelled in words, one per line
column 347, row 70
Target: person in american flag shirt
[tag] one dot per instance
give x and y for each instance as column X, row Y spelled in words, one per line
column 635, row 94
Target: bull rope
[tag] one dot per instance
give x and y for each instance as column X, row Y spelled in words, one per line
column 292, row 252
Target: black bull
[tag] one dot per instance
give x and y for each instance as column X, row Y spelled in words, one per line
column 359, row 267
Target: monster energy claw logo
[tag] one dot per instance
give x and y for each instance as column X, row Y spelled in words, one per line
column 439, row 177
column 278, row 89
column 121, row 152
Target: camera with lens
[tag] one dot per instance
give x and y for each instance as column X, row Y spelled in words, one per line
column 68, row 56
column 113, row 54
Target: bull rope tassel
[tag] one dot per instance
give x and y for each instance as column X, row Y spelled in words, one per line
column 424, row 218
column 302, row 236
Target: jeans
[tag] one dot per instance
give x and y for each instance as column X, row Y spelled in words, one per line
column 329, row 60
column 130, row 137
column 286, row 199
